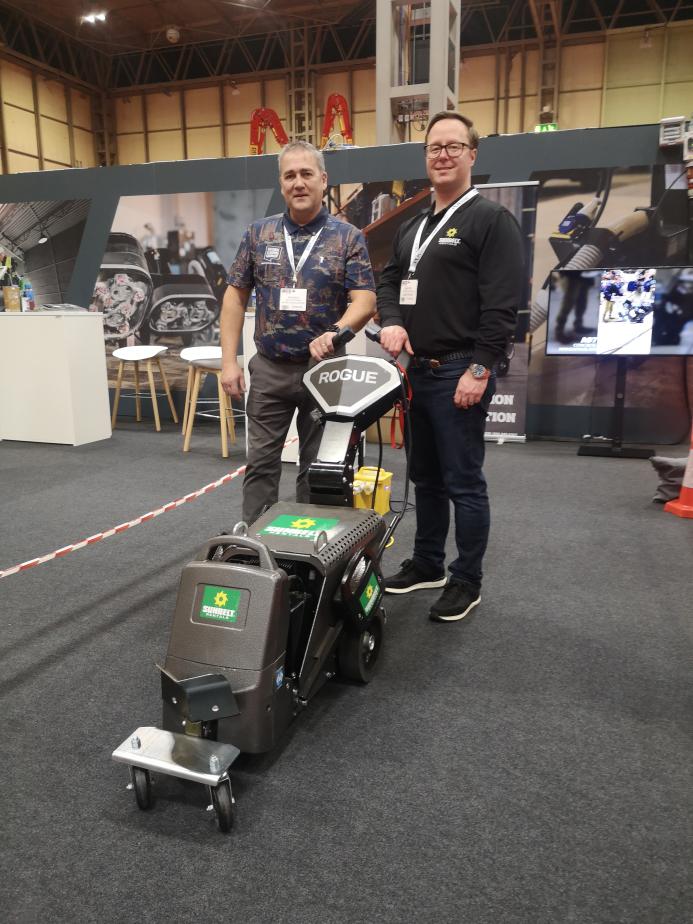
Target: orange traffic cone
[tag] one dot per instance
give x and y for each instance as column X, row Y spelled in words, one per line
column 683, row 505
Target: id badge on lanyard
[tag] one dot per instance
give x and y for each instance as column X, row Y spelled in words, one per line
column 295, row 299
column 407, row 291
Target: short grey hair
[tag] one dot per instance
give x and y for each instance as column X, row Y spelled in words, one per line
column 303, row 146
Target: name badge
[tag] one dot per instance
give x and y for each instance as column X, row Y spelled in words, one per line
column 293, row 299
column 407, row 291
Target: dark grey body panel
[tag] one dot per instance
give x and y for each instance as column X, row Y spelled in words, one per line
column 251, row 653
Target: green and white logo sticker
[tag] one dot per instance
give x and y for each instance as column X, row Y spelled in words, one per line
column 298, row 527
column 219, row 604
column 370, row 595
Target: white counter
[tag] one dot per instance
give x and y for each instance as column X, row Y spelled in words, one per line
column 53, row 380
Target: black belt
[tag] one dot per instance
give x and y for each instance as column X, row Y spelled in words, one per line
column 432, row 362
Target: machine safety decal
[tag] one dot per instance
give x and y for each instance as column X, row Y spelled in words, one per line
column 370, row 595
column 298, row 527
column 219, row 604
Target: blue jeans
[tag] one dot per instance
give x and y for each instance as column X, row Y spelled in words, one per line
column 447, row 457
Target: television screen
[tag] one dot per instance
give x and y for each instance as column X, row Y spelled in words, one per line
column 639, row 311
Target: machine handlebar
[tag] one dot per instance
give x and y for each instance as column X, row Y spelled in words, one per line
column 372, row 331
column 343, row 336
column 242, row 542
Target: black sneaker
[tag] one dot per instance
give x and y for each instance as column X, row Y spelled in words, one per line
column 455, row 602
column 411, row 577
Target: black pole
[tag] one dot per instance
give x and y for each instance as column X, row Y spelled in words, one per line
column 615, row 449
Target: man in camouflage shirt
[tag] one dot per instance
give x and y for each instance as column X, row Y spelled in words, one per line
column 312, row 276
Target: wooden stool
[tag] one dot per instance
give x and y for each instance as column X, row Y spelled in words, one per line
column 204, row 361
column 137, row 355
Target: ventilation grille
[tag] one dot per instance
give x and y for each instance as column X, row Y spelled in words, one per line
column 346, row 544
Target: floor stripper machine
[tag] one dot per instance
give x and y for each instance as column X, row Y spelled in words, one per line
column 269, row 613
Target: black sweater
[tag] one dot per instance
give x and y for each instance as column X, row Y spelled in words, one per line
column 470, row 280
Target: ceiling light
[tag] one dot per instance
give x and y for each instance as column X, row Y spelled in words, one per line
column 235, row 90
column 43, row 236
column 93, row 17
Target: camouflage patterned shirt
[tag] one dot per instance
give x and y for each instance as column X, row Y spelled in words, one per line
column 337, row 264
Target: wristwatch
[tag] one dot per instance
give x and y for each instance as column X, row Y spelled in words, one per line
column 479, row 371
column 333, row 329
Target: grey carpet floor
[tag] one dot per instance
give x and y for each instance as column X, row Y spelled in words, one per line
column 531, row 764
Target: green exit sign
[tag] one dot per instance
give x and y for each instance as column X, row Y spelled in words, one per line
column 546, row 127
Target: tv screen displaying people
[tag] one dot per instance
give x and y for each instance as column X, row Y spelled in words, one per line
column 621, row 311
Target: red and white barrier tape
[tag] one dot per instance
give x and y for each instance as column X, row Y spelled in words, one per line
column 145, row 518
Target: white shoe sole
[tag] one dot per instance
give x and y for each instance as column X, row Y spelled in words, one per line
column 422, row 585
column 456, row 618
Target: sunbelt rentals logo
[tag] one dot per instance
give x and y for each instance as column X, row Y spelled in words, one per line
column 219, row 604
column 370, row 595
column 298, row 527
column 450, row 237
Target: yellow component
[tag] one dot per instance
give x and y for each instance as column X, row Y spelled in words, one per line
column 364, row 483
column 451, row 232
column 221, row 599
column 303, row 523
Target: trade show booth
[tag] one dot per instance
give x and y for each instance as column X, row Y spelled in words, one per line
column 147, row 247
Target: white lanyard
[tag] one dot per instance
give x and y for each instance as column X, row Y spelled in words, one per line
column 418, row 251
column 304, row 256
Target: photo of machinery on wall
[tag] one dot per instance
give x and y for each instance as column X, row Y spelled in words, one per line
column 163, row 274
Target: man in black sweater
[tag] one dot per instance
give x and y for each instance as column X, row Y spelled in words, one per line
column 449, row 297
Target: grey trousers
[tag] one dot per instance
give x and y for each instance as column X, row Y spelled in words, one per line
column 276, row 391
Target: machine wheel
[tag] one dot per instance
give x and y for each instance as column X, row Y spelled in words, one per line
column 358, row 654
column 143, row 787
column 222, row 800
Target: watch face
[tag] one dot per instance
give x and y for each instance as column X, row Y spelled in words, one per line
column 478, row 371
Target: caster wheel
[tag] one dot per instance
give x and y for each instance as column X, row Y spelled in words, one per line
column 222, row 800
column 143, row 787
column 358, row 653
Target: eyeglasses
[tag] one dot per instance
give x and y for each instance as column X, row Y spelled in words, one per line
column 454, row 149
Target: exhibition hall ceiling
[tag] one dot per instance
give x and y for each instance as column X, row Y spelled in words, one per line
column 122, row 44
column 142, row 24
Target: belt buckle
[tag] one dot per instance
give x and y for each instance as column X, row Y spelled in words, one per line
column 434, row 363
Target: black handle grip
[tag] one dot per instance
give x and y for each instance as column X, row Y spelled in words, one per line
column 344, row 335
column 372, row 331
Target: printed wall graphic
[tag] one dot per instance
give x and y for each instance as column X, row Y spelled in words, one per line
column 625, row 218
column 163, row 276
column 163, row 273
column 39, row 243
